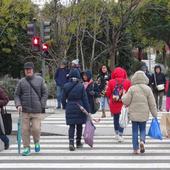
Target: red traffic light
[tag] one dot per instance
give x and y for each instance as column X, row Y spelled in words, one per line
column 45, row 47
column 36, row 41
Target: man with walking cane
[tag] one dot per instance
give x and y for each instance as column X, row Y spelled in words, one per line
column 30, row 99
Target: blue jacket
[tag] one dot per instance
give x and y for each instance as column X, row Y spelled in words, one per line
column 61, row 76
column 75, row 95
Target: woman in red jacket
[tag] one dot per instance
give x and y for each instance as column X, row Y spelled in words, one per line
column 116, row 86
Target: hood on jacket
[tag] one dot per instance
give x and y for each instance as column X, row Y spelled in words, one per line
column 140, row 78
column 157, row 66
column 119, row 73
column 88, row 73
column 74, row 73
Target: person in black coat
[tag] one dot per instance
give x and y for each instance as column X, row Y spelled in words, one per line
column 102, row 80
column 74, row 94
column 158, row 78
column 91, row 88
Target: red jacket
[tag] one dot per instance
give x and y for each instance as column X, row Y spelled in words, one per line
column 121, row 76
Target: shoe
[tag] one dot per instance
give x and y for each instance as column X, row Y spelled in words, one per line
column 103, row 114
column 71, row 148
column 79, row 144
column 59, row 107
column 116, row 136
column 26, row 151
column 135, row 152
column 161, row 110
column 120, row 139
column 6, row 146
column 142, row 147
column 37, row 147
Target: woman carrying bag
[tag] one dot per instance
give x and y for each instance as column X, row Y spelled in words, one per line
column 140, row 101
column 3, row 102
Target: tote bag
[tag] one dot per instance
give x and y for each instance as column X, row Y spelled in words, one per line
column 123, row 119
column 89, row 131
column 7, row 121
column 154, row 130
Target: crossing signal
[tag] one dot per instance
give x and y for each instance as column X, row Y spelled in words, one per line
column 36, row 41
column 45, row 47
column 46, row 30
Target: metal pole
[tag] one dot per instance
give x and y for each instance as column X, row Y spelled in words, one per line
column 42, row 56
column 149, row 50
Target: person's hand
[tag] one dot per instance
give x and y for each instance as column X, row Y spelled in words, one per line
column 19, row 108
column 92, row 93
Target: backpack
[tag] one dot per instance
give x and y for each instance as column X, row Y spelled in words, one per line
column 118, row 91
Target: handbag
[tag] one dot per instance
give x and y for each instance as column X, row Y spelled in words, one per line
column 96, row 104
column 7, row 121
column 154, row 130
column 123, row 119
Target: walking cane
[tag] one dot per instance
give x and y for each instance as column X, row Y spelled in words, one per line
column 19, row 132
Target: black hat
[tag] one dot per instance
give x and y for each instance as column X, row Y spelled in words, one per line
column 29, row 65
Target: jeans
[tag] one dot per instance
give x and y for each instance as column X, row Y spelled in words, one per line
column 142, row 128
column 103, row 101
column 4, row 139
column 71, row 132
column 159, row 98
column 118, row 129
column 59, row 96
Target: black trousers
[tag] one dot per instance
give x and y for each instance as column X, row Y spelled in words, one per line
column 71, row 131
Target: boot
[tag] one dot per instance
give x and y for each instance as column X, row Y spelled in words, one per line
column 103, row 113
column 71, row 145
column 79, row 144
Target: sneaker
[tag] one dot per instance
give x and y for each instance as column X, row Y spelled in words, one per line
column 26, row 151
column 142, row 147
column 135, row 152
column 71, row 148
column 6, row 146
column 120, row 139
column 116, row 136
column 37, row 147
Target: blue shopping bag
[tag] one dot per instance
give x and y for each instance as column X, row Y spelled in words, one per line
column 154, row 130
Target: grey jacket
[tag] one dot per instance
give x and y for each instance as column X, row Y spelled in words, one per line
column 26, row 97
column 140, row 99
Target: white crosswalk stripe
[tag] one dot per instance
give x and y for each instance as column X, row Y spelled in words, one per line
column 107, row 153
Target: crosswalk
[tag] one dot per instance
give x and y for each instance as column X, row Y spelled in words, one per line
column 107, row 153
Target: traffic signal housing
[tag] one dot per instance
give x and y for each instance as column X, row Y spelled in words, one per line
column 36, row 43
column 31, row 29
column 46, row 30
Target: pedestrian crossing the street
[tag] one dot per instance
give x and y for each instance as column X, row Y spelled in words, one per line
column 107, row 153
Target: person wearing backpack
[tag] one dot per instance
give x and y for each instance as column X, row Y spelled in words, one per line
column 116, row 86
column 140, row 101
column 74, row 95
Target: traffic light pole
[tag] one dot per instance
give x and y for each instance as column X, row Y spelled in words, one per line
column 42, row 56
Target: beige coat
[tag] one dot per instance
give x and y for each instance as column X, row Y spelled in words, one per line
column 140, row 99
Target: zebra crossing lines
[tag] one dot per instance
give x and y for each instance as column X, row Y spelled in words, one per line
column 106, row 154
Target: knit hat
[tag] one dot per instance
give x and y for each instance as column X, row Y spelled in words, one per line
column 29, row 65
column 76, row 61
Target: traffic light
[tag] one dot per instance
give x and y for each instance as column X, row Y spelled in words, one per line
column 45, row 47
column 36, row 43
column 46, row 30
column 31, row 29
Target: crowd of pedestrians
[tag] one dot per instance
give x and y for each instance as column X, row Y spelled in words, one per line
column 74, row 88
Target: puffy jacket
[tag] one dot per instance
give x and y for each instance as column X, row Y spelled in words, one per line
column 26, row 97
column 119, row 75
column 74, row 96
column 140, row 98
